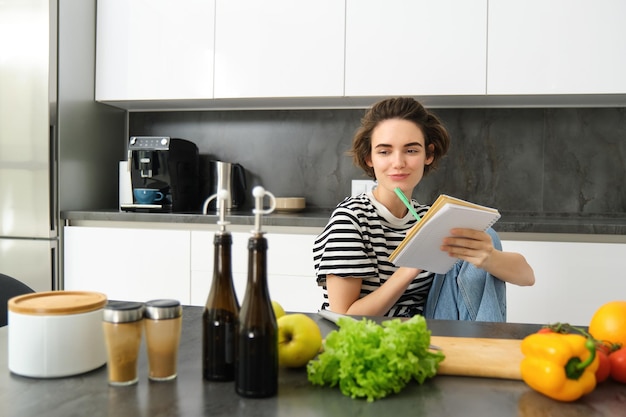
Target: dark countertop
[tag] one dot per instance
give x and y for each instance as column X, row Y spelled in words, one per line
column 189, row 395
column 523, row 223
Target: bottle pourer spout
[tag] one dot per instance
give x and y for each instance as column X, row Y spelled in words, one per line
column 222, row 195
column 259, row 193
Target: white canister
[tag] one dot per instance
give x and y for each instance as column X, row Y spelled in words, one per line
column 56, row 333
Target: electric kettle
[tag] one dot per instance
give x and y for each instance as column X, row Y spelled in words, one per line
column 230, row 177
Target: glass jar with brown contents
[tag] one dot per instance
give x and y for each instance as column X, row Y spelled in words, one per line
column 163, row 322
column 123, row 324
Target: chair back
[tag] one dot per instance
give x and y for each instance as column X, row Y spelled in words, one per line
column 9, row 288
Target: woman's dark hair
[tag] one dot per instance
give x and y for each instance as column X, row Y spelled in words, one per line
column 403, row 108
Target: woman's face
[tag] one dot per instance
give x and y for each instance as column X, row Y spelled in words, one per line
column 398, row 155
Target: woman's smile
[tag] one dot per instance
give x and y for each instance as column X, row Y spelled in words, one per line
column 398, row 177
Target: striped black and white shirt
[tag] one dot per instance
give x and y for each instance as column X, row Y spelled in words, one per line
column 357, row 242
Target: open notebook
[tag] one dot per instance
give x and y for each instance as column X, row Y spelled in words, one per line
column 421, row 246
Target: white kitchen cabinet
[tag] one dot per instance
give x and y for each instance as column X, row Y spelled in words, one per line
column 140, row 263
column 154, row 49
column 409, row 47
column 291, row 278
column 279, row 48
column 199, row 54
column 573, row 279
column 128, row 263
column 556, row 47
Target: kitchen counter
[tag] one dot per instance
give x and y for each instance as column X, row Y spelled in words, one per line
column 610, row 225
column 189, row 395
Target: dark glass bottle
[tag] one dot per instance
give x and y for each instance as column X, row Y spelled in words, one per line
column 256, row 373
column 219, row 320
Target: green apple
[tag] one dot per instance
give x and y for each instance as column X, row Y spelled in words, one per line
column 299, row 340
column 279, row 311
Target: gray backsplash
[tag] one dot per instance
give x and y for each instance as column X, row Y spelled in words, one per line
column 528, row 161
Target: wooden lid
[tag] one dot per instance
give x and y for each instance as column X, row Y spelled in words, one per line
column 57, row 302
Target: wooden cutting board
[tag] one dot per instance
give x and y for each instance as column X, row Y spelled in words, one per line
column 467, row 356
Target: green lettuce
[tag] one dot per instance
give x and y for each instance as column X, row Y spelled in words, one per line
column 370, row 360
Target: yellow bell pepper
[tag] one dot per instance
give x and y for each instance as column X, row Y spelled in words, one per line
column 560, row 366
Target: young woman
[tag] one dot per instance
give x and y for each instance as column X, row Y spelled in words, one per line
column 398, row 143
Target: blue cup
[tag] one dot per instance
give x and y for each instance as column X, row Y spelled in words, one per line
column 147, row 195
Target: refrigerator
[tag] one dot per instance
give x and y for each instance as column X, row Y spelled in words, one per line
column 59, row 149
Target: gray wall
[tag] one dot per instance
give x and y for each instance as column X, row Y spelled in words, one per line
column 531, row 161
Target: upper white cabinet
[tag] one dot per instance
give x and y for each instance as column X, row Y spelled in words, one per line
column 416, row 47
column 279, row 48
column 154, row 49
column 246, row 54
column 557, row 47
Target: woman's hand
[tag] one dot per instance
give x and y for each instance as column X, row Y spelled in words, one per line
column 470, row 245
column 476, row 247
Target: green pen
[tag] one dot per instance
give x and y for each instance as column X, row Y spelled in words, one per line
column 407, row 203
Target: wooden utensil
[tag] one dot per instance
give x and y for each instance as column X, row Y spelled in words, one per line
column 481, row 357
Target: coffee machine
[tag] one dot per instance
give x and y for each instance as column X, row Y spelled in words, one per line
column 169, row 165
